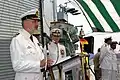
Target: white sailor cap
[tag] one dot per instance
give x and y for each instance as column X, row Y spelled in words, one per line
column 56, row 32
column 34, row 13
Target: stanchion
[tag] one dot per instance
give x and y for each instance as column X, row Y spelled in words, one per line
column 83, row 59
column 51, row 74
column 60, row 72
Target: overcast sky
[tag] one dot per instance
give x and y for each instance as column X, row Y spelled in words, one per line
column 76, row 20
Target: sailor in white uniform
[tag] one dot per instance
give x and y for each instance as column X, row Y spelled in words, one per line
column 108, row 60
column 26, row 53
column 56, row 50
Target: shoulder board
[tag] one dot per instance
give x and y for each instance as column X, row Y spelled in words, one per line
column 16, row 34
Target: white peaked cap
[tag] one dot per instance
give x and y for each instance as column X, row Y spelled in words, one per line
column 55, row 29
column 31, row 12
column 56, row 32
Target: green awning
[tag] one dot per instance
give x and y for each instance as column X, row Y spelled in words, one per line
column 104, row 14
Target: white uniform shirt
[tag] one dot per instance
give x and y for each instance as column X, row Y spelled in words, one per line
column 108, row 58
column 113, row 59
column 26, row 56
column 56, row 51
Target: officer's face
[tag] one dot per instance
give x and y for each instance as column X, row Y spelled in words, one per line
column 109, row 41
column 31, row 25
column 113, row 46
column 56, row 38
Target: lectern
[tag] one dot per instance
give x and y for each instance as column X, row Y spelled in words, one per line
column 71, row 66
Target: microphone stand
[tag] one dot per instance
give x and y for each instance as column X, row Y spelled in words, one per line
column 45, row 78
column 42, row 37
column 41, row 21
column 50, row 74
column 46, row 56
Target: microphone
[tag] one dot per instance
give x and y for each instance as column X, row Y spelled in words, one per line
column 47, row 56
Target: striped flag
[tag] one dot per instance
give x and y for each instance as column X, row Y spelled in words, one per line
column 103, row 14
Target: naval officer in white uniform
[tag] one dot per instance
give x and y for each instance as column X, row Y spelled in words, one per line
column 56, row 50
column 26, row 53
column 108, row 60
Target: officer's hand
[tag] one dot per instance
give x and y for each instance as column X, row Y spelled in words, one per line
column 49, row 62
column 42, row 63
